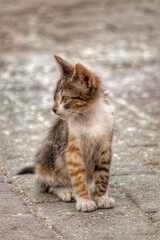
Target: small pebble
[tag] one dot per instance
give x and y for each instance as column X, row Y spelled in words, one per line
column 100, row 213
column 9, row 181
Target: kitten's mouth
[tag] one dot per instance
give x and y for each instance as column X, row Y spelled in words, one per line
column 61, row 115
column 56, row 112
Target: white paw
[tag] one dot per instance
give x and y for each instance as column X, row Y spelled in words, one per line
column 66, row 194
column 85, row 205
column 104, row 202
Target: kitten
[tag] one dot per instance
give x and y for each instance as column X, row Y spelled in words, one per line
column 75, row 158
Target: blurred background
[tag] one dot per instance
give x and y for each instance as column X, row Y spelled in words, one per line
column 119, row 40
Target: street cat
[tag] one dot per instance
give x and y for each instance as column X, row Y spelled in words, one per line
column 75, row 158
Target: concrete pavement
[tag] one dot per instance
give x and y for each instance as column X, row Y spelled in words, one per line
column 119, row 40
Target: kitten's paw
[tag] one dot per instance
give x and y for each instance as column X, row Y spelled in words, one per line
column 104, row 202
column 66, row 194
column 85, row 205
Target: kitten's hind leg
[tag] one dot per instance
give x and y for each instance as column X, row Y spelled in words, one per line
column 64, row 193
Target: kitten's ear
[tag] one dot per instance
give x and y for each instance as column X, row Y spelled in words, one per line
column 65, row 67
column 82, row 77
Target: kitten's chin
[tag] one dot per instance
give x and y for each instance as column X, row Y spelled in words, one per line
column 62, row 116
column 67, row 116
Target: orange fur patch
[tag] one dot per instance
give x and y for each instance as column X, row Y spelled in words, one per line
column 76, row 184
column 72, row 148
column 71, row 138
column 76, row 169
column 85, row 195
column 73, row 164
column 41, row 171
column 77, row 172
column 83, row 192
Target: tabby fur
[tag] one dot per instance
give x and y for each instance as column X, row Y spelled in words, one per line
column 74, row 159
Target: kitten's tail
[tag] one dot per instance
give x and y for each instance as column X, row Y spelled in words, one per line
column 27, row 170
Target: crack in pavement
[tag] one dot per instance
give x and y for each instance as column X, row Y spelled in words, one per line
column 31, row 204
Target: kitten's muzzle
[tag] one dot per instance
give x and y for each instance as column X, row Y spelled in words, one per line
column 55, row 107
column 54, row 110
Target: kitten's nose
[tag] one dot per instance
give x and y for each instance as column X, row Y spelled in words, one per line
column 54, row 110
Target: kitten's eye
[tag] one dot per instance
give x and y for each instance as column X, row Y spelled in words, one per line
column 65, row 99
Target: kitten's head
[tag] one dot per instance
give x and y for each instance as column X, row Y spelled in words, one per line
column 76, row 91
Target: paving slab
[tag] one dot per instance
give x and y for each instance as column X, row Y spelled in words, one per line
column 135, row 131
column 138, row 88
column 124, row 162
column 102, row 224
column 28, row 183
column 151, row 154
column 142, row 189
column 21, row 135
column 16, row 219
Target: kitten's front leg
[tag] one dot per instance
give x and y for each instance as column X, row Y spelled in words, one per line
column 76, row 171
column 101, row 174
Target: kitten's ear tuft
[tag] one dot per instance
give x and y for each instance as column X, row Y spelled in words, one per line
column 65, row 67
column 82, row 77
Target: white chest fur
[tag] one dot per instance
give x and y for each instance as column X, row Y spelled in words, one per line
column 96, row 127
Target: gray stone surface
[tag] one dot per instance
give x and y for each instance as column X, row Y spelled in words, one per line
column 135, row 131
column 29, row 184
column 119, row 40
column 142, row 189
column 124, row 161
column 102, row 224
column 156, row 217
column 16, row 220
column 151, row 154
